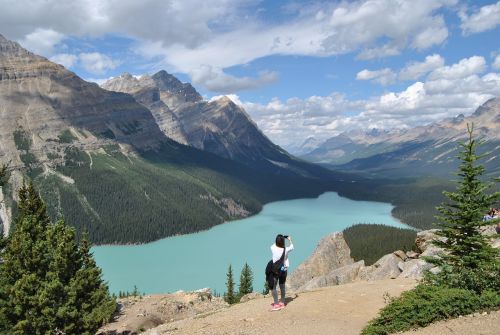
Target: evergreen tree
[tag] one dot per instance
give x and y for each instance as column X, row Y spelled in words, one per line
column 88, row 296
column 229, row 296
column 49, row 284
column 468, row 259
column 31, row 204
column 246, row 281
column 3, row 181
column 3, row 175
column 266, row 288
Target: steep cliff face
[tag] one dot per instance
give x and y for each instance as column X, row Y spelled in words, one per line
column 43, row 106
column 147, row 92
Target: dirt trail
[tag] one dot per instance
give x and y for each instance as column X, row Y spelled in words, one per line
column 341, row 309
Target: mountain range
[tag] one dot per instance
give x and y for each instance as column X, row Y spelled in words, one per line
column 136, row 159
column 419, row 151
column 218, row 126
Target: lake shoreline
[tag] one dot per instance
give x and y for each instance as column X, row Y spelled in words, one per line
column 250, row 216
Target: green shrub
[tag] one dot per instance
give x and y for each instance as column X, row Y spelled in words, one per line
column 22, row 139
column 66, row 136
column 372, row 241
column 426, row 304
column 478, row 280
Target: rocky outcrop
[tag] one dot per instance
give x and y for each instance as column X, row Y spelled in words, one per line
column 331, row 263
column 424, row 238
column 137, row 314
column 343, row 275
column 331, row 253
column 384, row 268
column 414, row 268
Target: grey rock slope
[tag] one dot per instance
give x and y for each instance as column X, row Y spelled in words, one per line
column 40, row 102
column 430, row 149
column 220, row 126
column 147, row 92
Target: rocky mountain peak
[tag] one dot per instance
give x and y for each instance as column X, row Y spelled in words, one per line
column 126, row 75
column 177, row 91
column 219, row 126
column 225, row 100
column 125, row 82
column 491, row 106
column 11, row 49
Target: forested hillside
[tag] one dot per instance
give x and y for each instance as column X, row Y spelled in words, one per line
column 176, row 190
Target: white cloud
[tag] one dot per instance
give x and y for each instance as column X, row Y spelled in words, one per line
column 486, row 18
column 496, row 63
column 385, row 50
column 448, row 91
column 350, row 27
column 189, row 22
column 42, row 41
column 66, row 60
column 435, row 34
column 97, row 63
column 189, row 34
column 384, row 76
column 415, row 70
column 464, row 68
column 216, row 80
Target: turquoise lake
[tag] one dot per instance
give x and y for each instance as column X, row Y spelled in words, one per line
column 201, row 260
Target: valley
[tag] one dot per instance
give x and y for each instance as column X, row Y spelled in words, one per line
column 142, row 158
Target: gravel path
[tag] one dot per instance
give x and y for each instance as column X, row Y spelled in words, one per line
column 341, row 309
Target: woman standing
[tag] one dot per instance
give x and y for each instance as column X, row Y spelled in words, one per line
column 277, row 250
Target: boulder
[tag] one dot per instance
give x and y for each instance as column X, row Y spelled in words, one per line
column 424, row 238
column 343, row 275
column 488, row 230
column 384, row 268
column 251, row 296
column 401, row 254
column 414, row 268
column 412, row 254
column 331, row 253
column 431, row 251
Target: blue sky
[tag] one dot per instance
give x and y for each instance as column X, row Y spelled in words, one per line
column 299, row 68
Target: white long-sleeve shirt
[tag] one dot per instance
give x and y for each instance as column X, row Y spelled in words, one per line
column 277, row 252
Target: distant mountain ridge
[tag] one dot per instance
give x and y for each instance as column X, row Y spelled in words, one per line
column 421, row 150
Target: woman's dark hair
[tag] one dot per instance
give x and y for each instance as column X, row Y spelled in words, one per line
column 280, row 241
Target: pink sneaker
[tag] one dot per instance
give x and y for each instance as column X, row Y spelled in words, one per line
column 280, row 303
column 276, row 307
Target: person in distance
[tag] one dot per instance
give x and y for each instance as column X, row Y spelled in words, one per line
column 280, row 263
